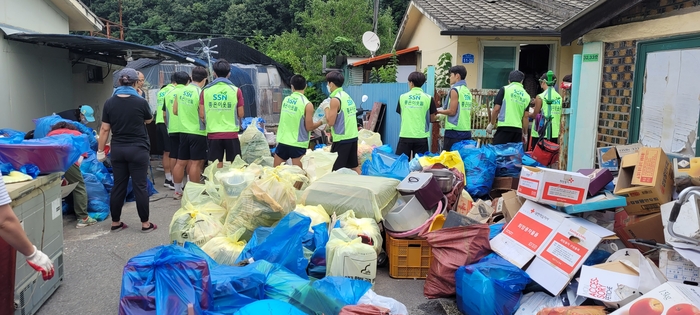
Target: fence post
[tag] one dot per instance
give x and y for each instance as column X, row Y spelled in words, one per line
column 430, row 90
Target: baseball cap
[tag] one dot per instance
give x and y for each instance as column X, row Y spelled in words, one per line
column 88, row 112
column 129, row 73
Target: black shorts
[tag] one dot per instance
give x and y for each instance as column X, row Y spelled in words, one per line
column 505, row 135
column 286, row 152
column 217, row 148
column 192, row 147
column 347, row 154
column 174, row 145
column 162, row 139
column 411, row 146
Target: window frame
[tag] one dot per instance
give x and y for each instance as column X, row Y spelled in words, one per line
column 553, row 56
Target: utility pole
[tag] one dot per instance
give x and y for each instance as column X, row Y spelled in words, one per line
column 376, row 15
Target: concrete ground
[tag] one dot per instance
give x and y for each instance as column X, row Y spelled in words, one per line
column 94, row 259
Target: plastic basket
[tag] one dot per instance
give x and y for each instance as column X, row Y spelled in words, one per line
column 408, row 258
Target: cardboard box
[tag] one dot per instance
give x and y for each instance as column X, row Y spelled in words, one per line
column 506, row 183
column 686, row 167
column 559, row 188
column 509, row 204
column 554, row 244
column 600, row 282
column 609, row 157
column 646, row 180
column 648, row 227
column 600, row 202
column 599, row 179
column 668, row 298
column 687, row 223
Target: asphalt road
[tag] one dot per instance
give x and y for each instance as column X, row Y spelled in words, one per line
column 94, row 259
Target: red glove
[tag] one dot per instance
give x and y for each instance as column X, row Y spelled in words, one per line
column 40, row 262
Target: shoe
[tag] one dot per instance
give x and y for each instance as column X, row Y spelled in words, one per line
column 86, row 222
column 149, row 229
column 177, row 196
column 169, row 184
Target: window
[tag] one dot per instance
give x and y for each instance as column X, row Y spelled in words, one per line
column 498, row 63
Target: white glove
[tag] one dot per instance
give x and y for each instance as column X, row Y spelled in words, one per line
column 40, row 262
column 489, row 129
column 101, row 156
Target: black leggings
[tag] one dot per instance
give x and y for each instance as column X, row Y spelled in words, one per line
column 130, row 162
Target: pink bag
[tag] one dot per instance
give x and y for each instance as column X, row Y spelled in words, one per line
column 364, row 310
column 452, row 248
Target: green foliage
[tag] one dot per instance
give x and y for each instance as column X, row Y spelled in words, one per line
column 387, row 73
column 442, row 75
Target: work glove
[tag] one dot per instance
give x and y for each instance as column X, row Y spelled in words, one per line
column 40, row 262
column 101, row 156
column 489, row 129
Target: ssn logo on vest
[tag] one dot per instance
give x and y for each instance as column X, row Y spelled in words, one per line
column 220, row 97
column 466, row 101
column 187, row 93
column 220, row 101
column 291, row 105
column 519, row 96
column 351, row 110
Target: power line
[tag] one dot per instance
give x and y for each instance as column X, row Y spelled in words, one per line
column 190, row 33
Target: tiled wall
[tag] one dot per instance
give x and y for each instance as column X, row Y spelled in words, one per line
column 616, row 93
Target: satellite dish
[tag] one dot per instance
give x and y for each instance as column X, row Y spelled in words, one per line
column 371, row 41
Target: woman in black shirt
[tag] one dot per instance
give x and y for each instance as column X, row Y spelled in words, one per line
column 126, row 114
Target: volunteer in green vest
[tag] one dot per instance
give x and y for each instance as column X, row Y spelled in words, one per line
column 542, row 106
column 193, row 137
column 174, row 125
column 417, row 111
column 162, row 139
column 510, row 108
column 342, row 118
column 220, row 108
column 459, row 111
column 296, row 124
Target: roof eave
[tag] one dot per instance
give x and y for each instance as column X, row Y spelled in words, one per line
column 604, row 11
column 499, row 32
column 80, row 17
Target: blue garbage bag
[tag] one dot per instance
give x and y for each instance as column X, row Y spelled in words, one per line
column 30, row 169
column 529, row 161
column 138, row 289
column 269, row 307
column 283, row 245
column 495, row 229
column 98, row 197
column 65, row 208
column 51, row 154
column 130, row 197
column 469, row 144
column 245, row 122
column 6, row 168
column 44, row 124
column 509, row 158
column 480, row 165
column 16, row 135
column 377, row 166
column 598, row 256
column 491, row 286
column 182, row 278
column 317, row 263
column 91, row 165
column 343, row 290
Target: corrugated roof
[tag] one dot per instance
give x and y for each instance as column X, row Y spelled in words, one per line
column 385, row 56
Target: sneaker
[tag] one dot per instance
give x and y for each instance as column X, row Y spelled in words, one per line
column 85, row 222
column 169, row 184
column 177, row 196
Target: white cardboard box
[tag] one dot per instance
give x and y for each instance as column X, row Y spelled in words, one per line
column 553, row 187
column 555, row 243
column 668, row 298
column 600, row 282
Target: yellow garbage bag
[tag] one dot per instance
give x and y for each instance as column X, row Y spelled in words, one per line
column 195, row 194
column 368, row 137
column 293, row 174
column 225, row 249
column 317, row 214
column 318, row 163
column 354, row 227
column 349, row 257
column 449, row 159
column 192, row 225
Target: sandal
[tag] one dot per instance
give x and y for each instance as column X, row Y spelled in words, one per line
column 149, row 229
column 119, row 227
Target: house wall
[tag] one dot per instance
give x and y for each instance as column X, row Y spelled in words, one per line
column 427, row 36
column 36, row 15
column 620, row 53
column 93, row 94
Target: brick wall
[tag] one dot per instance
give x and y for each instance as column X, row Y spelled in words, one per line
column 616, row 93
column 651, row 9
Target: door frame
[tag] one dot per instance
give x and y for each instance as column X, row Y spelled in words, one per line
column 553, row 53
column 643, row 49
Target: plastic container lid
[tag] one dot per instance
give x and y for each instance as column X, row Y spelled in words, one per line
column 414, row 181
column 407, row 214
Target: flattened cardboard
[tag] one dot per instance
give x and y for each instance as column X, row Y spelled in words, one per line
column 669, row 294
column 600, row 202
column 505, row 183
column 646, row 180
column 558, row 243
column 600, row 281
column 609, row 157
column 647, row 227
column 559, row 188
column 66, row 190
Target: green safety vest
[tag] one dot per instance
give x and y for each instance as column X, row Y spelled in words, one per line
column 292, row 128
column 415, row 114
column 188, row 111
column 346, row 122
column 174, row 125
column 221, row 108
column 161, row 101
column 515, row 102
column 462, row 120
column 555, row 112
